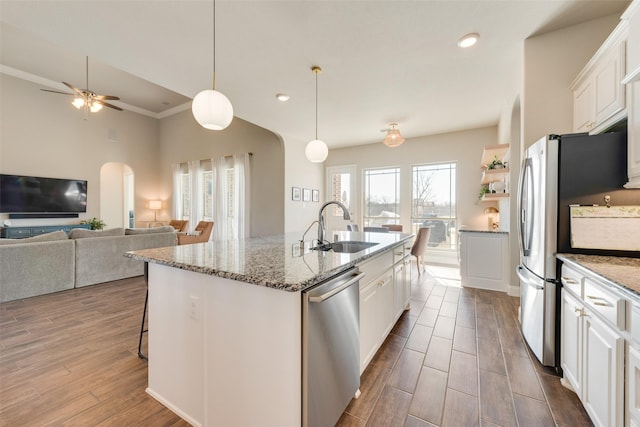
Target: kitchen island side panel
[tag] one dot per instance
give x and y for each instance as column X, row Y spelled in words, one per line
column 223, row 352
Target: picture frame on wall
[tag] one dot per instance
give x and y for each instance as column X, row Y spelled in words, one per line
column 295, row 194
column 315, row 196
column 306, row 195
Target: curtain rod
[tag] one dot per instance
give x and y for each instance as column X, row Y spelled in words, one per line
column 231, row 155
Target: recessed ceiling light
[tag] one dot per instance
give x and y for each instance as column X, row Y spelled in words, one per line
column 468, row 40
column 283, row 97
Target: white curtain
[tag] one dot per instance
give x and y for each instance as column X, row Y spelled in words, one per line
column 196, row 200
column 177, row 191
column 242, row 199
column 221, row 225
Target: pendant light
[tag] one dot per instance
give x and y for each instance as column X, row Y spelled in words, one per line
column 211, row 109
column 393, row 138
column 316, row 151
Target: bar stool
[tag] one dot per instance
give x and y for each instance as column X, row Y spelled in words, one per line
column 141, row 355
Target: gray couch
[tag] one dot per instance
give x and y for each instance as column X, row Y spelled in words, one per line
column 55, row 262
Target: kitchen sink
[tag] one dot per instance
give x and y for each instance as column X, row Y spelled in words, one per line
column 347, row 246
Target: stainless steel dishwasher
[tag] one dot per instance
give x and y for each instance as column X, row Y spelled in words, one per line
column 330, row 348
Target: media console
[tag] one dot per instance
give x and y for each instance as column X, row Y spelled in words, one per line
column 22, row 232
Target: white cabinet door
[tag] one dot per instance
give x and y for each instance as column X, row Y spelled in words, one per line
column 385, row 306
column 583, row 107
column 368, row 323
column 398, row 289
column 608, row 90
column 633, row 381
column 633, row 141
column 603, row 372
column 571, row 341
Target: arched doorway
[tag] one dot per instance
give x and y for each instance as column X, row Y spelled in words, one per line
column 117, row 195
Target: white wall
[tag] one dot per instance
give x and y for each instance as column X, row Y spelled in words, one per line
column 111, row 194
column 300, row 172
column 183, row 139
column 42, row 134
column 464, row 147
column 551, row 63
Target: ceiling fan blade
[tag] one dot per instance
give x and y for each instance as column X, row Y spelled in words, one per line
column 78, row 91
column 107, row 97
column 106, row 104
column 57, row 91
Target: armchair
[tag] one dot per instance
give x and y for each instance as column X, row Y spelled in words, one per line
column 199, row 235
column 179, row 224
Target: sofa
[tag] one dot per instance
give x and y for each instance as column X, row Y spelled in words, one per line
column 54, row 262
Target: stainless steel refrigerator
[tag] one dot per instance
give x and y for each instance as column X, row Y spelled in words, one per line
column 558, row 171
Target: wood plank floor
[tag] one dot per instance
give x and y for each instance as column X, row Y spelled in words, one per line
column 455, row 359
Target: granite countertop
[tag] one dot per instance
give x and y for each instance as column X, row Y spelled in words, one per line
column 624, row 272
column 274, row 261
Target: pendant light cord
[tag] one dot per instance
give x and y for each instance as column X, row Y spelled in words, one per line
column 316, row 73
column 214, row 44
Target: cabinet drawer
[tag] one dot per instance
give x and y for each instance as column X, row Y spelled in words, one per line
column 610, row 305
column 374, row 267
column 401, row 251
column 571, row 280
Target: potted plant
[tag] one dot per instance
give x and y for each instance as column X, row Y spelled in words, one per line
column 484, row 189
column 496, row 164
column 96, row 224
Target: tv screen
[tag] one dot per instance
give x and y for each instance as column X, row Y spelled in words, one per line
column 32, row 194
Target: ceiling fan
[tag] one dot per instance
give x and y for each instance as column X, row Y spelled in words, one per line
column 91, row 101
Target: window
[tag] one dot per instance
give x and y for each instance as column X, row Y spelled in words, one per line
column 185, row 185
column 207, row 194
column 381, row 197
column 434, row 203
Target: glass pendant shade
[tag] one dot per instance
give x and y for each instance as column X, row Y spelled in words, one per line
column 393, row 138
column 78, row 102
column 316, row 151
column 212, row 110
column 95, row 107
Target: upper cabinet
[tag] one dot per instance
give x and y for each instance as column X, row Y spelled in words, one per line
column 632, row 18
column 599, row 98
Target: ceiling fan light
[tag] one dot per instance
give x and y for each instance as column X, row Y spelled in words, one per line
column 95, row 107
column 393, row 138
column 212, row 110
column 77, row 102
column 316, row 151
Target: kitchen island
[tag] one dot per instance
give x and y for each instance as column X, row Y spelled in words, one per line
column 225, row 323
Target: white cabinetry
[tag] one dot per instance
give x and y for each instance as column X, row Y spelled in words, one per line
column 633, row 137
column 592, row 345
column 598, row 93
column 384, row 294
column 633, row 367
column 484, row 260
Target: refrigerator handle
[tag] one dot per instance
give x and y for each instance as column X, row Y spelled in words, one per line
column 525, row 217
column 525, row 280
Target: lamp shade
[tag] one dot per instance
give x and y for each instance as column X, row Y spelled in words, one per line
column 155, row 204
column 393, row 138
column 212, row 110
column 316, row 151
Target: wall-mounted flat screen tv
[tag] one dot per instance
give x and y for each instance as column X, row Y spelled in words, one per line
column 32, row 194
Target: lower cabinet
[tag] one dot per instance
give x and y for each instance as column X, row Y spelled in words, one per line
column 603, row 372
column 633, row 385
column 384, row 294
column 571, row 344
column 593, row 348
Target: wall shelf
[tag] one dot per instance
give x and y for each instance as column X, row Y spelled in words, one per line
column 493, row 175
column 491, row 151
column 491, row 197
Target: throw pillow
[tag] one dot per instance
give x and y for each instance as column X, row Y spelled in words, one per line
column 165, row 229
column 80, row 233
column 47, row 237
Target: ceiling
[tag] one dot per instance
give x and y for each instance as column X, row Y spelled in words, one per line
column 382, row 61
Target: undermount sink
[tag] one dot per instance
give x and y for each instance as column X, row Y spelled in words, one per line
column 349, row 246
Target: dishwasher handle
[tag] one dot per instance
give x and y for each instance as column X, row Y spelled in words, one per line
column 337, row 289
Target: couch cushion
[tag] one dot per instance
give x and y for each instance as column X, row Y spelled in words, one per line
column 165, row 229
column 47, row 237
column 80, row 233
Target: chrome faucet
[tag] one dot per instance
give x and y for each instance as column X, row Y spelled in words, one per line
column 345, row 215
